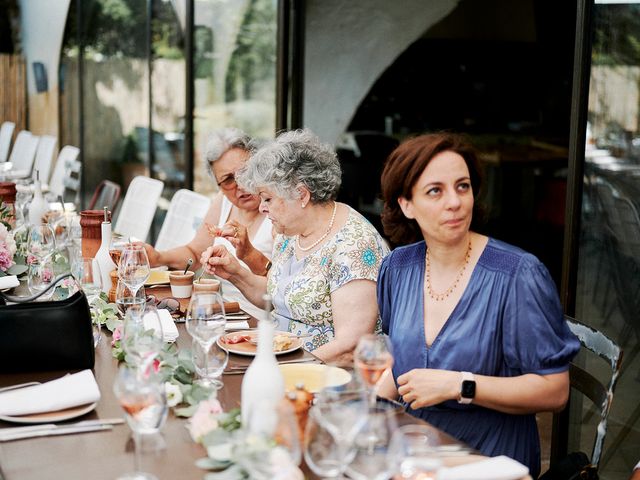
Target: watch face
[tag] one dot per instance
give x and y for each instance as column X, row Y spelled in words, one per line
column 468, row 389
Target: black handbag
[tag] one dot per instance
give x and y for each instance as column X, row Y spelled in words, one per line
column 37, row 336
column 575, row 466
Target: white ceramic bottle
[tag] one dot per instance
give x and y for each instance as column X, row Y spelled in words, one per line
column 102, row 258
column 38, row 205
column 263, row 385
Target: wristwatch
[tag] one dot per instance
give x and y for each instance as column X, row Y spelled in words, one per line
column 467, row 388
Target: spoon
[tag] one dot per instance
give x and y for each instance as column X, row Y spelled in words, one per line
column 189, row 263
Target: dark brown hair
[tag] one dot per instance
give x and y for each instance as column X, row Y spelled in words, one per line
column 403, row 169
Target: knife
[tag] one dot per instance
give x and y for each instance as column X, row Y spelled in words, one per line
column 59, row 430
column 48, row 426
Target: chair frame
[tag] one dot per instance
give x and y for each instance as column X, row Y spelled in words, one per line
column 583, row 381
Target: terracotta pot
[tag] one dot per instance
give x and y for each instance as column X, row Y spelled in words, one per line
column 91, row 222
column 8, row 192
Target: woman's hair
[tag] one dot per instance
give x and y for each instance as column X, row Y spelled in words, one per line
column 296, row 158
column 221, row 141
column 403, row 169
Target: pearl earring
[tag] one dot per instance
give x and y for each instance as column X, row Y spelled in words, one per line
column 303, row 205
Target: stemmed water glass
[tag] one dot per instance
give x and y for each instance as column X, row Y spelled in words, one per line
column 373, row 360
column 142, row 396
column 126, row 300
column 133, row 268
column 41, row 242
column 334, row 422
column 41, row 276
column 205, row 321
column 142, row 337
column 412, row 452
column 87, row 273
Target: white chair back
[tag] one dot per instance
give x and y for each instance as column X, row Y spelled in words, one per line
column 44, row 157
column 6, row 133
column 23, row 154
column 139, row 207
column 68, row 153
column 186, row 212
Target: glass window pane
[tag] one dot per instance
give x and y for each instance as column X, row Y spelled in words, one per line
column 235, row 65
column 609, row 251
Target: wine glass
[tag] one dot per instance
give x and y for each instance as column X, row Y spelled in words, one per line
column 205, row 321
column 87, row 272
column 116, row 247
column 142, row 396
column 210, row 365
column 142, row 337
column 41, row 242
column 412, row 452
column 126, row 299
column 41, row 275
column 373, row 359
column 334, row 421
column 133, row 268
column 371, row 459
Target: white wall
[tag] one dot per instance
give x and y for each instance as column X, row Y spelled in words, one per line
column 348, row 45
column 42, row 28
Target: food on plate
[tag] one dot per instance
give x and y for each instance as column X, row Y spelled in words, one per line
column 233, row 339
column 282, row 342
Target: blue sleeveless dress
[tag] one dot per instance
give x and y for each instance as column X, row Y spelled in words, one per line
column 508, row 322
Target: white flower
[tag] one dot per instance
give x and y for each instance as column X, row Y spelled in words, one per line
column 221, row 453
column 3, row 231
column 174, row 394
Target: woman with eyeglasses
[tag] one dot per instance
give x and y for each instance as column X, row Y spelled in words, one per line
column 233, row 219
column 326, row 255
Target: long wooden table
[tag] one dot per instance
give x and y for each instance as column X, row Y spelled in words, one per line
column 107, row 454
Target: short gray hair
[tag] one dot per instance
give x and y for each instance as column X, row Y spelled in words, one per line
column 222, row 140
column 293, row 159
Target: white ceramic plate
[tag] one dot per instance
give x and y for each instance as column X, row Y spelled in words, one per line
column 50, row 417
column 249, row 349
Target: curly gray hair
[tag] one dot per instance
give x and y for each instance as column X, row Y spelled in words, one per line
column 222, row 140
column 296, row 158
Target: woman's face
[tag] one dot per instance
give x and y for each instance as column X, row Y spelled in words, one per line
column 442, row 199
column 224, row 170
column 285, row 215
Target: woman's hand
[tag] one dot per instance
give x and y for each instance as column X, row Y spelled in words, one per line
column 217, row 260
column 236, row 234
column 423, row 387
column 152, row 254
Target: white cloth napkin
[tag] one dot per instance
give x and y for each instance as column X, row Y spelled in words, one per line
column 65, row 392
column 496, row 468
column 9, row 281
column 169, row 329
column 237, row 326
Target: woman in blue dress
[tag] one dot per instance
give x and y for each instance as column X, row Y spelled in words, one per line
column 478, row 334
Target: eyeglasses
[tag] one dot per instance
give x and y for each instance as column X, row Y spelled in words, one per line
column 172, row 304
column 228, row 183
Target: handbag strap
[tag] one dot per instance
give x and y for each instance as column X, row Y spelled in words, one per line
column 11, row 298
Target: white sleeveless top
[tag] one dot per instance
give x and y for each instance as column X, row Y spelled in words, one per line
column 262, row 241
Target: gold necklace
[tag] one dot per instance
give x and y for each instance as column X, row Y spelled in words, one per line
column 438, row 297
column 314, row 244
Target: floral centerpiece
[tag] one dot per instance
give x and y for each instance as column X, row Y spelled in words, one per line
column 11, row 261
column 232, row 452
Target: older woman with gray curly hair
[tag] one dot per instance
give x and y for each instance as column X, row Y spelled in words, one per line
column 326, row 255
column 233, row 219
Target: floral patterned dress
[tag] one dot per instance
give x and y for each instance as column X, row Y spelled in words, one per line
column 301, row 289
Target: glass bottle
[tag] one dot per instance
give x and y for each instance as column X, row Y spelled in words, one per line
column 263, row 384
column 103, row 258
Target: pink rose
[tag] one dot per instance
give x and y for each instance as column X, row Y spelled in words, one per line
column 6, row 259
column 205, row 419
column 47, row 275
column 117, row 334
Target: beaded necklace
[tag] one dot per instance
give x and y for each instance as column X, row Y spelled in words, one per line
column 438, row 297
column 314, row 244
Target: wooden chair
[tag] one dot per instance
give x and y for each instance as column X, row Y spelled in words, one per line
column 106, row 194
column 6, row 134
column 23, row 154
column 44, row 157
column 186, row 212
column 139, row 207
column 587, row 384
